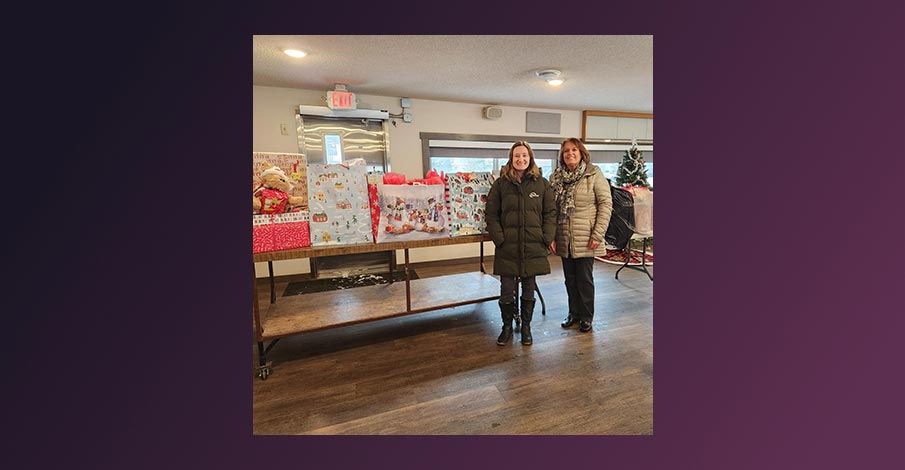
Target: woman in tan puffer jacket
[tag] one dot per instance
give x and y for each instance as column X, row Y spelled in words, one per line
column 584, row 205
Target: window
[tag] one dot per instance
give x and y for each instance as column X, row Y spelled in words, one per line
column 450, row 165
column 610, row 169
column 452, row 153
column 546, row 166
column 333, row 148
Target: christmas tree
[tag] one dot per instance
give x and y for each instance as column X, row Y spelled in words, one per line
column 632, row 170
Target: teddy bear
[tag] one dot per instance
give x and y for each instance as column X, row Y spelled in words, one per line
column 272, row 196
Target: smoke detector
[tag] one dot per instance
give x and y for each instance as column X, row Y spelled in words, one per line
column 551, row 76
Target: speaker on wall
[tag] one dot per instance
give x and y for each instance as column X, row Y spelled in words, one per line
column 493, row 112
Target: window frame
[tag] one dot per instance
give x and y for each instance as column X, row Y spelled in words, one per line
column 600, row 152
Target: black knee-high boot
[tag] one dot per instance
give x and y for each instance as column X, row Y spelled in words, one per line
column 508, row 312
column 527, row 313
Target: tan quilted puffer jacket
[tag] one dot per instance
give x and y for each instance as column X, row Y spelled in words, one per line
column 590, row 218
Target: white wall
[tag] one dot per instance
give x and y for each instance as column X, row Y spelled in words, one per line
column 274, row 106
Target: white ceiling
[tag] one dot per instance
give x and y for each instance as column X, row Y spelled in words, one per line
column 607, row 73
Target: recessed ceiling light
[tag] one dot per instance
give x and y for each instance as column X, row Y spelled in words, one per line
column 294, row 53
column 551, row 76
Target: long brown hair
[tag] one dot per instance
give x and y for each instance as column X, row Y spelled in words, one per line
column 585, row 155
column 511, row 173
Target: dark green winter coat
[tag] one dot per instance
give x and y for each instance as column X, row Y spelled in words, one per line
column 521, row 220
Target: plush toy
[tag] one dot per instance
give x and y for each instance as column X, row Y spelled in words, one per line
column 272, row 196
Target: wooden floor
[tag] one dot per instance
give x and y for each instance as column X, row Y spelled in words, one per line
column 442, row 372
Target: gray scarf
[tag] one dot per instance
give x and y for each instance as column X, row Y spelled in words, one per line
column 563, row 183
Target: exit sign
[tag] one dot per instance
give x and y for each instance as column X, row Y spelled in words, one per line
column 340, row 100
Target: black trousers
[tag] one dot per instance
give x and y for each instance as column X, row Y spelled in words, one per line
column 579, row 274
column 509, row 287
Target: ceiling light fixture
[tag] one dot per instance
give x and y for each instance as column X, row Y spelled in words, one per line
column 294, row 53
column 551, row 76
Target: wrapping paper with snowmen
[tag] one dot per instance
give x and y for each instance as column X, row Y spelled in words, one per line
column 338, row 205
column 467, row 198
column 411, row 212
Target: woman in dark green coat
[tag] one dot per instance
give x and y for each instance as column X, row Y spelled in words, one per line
column 521, row 220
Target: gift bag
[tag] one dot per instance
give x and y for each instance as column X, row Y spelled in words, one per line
column 644, row 210
column 374, row 180
column 467, row 198
column 411, row 212
column 338, row 203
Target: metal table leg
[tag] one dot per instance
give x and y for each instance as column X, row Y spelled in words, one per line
column 273, row 293
column 628, row 258
column 265, row 367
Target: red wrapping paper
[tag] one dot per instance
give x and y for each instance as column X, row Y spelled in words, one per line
column 280, row 232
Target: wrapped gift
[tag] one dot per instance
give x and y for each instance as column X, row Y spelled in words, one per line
column 338, row 203
column 411, row 212
column 294, row 165
column 291, row 230
column 262, row 234
column 467, row 198
column 271, row 232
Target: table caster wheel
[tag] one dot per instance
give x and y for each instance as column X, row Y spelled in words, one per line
column 264, row 371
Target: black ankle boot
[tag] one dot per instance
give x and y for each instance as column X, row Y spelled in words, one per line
column 507, row 312
column 527, row 313
column 569, row 321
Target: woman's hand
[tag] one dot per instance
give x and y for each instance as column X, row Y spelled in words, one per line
column 593, row 244
column 552, row 247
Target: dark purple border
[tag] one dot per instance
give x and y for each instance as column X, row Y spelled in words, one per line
column 779, row 270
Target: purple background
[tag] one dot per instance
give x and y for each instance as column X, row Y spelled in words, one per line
column 779, row 325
